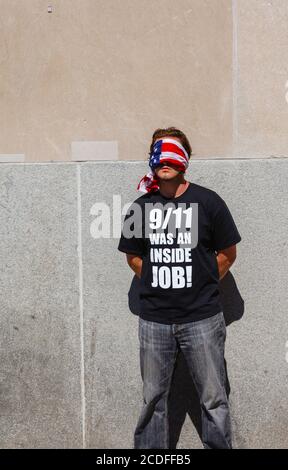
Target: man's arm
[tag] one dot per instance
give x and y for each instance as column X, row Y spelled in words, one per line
column 135, row 263
column 225, row 259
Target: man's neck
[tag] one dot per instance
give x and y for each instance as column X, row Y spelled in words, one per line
column 173, row 188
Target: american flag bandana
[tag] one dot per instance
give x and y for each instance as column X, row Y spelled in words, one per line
column 164, row 150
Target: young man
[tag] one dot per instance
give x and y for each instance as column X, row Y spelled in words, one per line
column 186, row 244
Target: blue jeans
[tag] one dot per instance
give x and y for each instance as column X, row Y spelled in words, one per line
column 202, row 343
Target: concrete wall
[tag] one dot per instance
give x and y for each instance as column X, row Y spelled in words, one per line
column 69, row 374
column 92, row 80
column 115, row 70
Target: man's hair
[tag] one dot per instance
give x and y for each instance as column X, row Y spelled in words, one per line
column 171, row 132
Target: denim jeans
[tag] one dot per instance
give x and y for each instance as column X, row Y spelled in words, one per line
column 202, row 343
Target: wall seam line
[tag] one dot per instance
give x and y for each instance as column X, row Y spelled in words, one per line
column 235, row 76
column 80, row 264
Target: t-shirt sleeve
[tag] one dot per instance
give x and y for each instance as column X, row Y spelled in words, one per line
column 132, row 245
column 224, row 230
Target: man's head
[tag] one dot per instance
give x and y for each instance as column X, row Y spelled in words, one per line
column 169, row 170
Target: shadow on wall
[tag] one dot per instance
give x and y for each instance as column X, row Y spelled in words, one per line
column 183, row 398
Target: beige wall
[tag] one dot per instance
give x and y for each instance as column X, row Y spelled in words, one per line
column 115, row 70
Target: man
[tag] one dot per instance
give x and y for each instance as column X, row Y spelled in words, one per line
column 187, row 243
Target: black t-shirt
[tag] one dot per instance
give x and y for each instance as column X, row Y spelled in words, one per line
column 177, row 239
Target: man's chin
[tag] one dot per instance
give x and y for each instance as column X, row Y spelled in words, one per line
column 167, row 176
